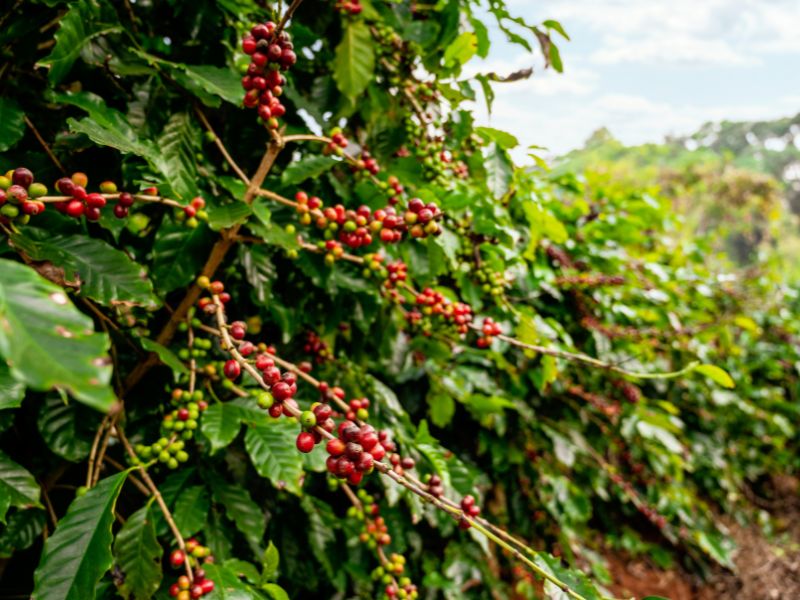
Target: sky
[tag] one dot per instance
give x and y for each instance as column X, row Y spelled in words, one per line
column 646, row 69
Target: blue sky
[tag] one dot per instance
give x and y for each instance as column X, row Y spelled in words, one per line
column 647, row 68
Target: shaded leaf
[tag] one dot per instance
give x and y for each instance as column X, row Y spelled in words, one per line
column 64, row 429
column 12, row 123
column 191, row 510
column 79, row 551
column 138, row 555
column 47, row 342
column 17, row 486
column 307, row 168
column 271, row 446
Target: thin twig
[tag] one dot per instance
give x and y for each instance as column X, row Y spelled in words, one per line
column 159, row 498
column 44, row 145
column 222, row 147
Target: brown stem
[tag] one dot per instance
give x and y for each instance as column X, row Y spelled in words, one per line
column 288, row 15
column 44, row 145
column 221, row 146
column 93, row 453
column 215, row 258
column 131, row 477
column 159, row 499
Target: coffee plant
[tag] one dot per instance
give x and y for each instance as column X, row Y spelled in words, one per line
column 340, row 345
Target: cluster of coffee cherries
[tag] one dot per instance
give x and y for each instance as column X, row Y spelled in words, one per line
column 390, row 574
column 489, row 329
column 589, row 280
column 630, row 392
column 317, row 348
column 491, row 282
column 366, row 163
column 270, row 53
column 433, row 485
column 356, row 228
column 184, row 588
column 433, row 303
column 177, row 427
column 649, row 512
column 469, row 509
column 350, row 7
column 320, row 416
column 337, row 144
column 392, row 274
column 217, row 288
column 193, row 213
column 354, row 451
column 605, row 406
column 18, row 196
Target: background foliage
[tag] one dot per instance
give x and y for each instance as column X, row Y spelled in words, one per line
column 574, row 458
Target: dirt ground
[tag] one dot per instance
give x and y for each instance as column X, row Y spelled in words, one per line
column 766, row 569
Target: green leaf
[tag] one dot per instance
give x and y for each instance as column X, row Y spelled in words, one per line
column 138, row 555
column 64, row 428
column 461, row 50
column 505, row 140
column 178, row 255
column 259, row 271
column 442, row 407
column 354, row 63
column 716, row 374
column 99, row 112
column 241, row 509
column 11, row 391
column 17, row 486
column 191, row 510
column 309, row 167
column 220, row 424
column 219, row 81
column 165, row 355
column 271, row 446
column 12, row 123
column 499, row 170
column 85, row 20
column 227, row 215
column 275, row 591
column 270, row 563
column 227, row 585
column 575, row 579
column 78, row 553
column 47, row 342
column 175, row 159
column 555, row 25
column 105, row 274
column 21, row 531
column 113, row 137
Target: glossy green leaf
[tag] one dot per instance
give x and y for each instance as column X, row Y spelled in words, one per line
column 191, row 510
column 66, row 429
column 11, row 391
column 228, row 215
column 270, row 563
column 177, row 145
column 355, row 59
column 12, row 123
column 47, row 342
column 499, row 170
column 138, row 554
column 21, row 530
column 78, row 552
column 275, row 591
column 165, row 355
column 461, row 50
column 86, row 19
column 310, row 167
column 716, row 374
column 241, row 509
column 17, row 487
column 271, row 446
column 575, row 579
column 178, row 255
column 103, row 273
column 504, row 140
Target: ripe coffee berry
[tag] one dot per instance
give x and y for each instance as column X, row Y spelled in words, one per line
column 232, row 369
column 305, row 442
column 177, row 558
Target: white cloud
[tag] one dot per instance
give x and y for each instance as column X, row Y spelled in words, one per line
column 720, row 32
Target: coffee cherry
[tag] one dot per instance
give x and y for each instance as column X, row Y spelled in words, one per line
column 305, row 442
column 308, row 419
column 232, row 369
column 80, row 179
column 74, row 208
column 22, row 177
column 177, row 558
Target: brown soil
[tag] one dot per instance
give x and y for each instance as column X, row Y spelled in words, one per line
column 766, row 568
